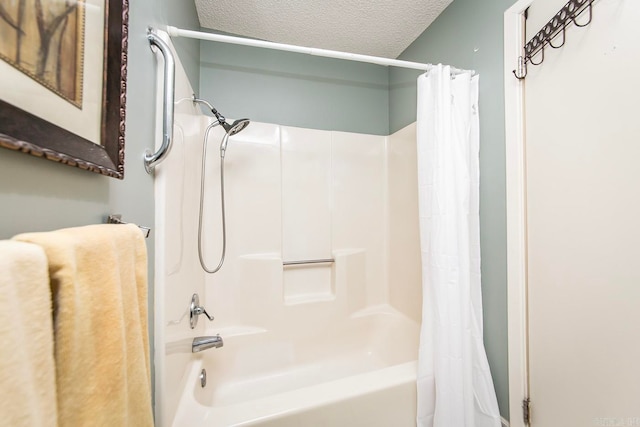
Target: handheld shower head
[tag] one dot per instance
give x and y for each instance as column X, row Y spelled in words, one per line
column 235, row 127
column 231, row 129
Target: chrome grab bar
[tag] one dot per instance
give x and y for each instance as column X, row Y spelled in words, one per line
column 309, row 261
column 152, row 159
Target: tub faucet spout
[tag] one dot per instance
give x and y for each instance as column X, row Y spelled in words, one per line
column 204, row 343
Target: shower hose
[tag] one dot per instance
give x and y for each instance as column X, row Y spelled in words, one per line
column 202, row 185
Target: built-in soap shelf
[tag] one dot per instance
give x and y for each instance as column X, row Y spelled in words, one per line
column 270, row 283
column 340, row 281
column 308, row 283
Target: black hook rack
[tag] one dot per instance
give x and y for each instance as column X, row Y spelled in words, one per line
column 556, row 25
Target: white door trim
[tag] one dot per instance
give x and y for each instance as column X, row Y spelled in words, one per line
column 514, row 39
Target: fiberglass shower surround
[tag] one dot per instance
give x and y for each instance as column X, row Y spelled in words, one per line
column 276, row 320
column 280, row 311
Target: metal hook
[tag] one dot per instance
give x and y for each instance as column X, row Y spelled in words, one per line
column 517, row 76
column 521, row 73
column 573, row 18
column 564, row 39
column 541, row 57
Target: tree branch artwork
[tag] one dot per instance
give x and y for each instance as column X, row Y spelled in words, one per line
column 6, row 17
column 43, row 39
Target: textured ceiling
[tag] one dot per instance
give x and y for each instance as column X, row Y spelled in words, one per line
column 371, row 27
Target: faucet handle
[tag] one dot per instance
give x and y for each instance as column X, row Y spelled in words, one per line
column 195, row 310
column 200, row 310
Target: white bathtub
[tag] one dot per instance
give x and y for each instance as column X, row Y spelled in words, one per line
column 361, row 373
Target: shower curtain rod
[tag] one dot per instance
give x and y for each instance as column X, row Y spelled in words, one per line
column 178, row 32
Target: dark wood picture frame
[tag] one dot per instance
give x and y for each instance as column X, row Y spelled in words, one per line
column 25, row 132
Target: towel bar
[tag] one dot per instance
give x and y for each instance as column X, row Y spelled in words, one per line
column 117, row 219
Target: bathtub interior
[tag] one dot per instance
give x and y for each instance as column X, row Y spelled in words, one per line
column 260, row 364
column 291, row 194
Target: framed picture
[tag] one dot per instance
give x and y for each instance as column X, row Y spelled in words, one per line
column 63, row 68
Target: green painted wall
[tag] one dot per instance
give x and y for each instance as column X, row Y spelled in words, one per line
column 295, row 90
column 469, row 34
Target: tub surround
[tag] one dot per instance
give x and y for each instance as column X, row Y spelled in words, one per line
column 291, row 194
column 312, row 330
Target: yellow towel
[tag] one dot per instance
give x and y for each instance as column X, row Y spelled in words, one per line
column 27, row 371
column 98, row 279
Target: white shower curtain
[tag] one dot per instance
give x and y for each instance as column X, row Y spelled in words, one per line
column 454, row 382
